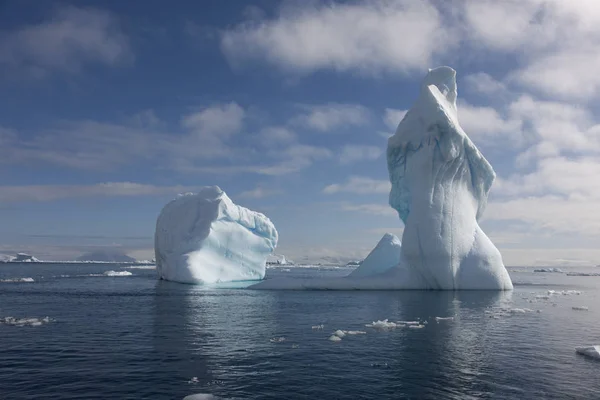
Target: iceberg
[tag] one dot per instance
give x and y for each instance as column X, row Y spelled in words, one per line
column 383, row 257
column 205, row 238
column 589, row 351
column 440, row 184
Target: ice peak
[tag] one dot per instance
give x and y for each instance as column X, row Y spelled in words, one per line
column 444, row 79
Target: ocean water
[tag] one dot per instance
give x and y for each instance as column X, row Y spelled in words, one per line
column 133, row 337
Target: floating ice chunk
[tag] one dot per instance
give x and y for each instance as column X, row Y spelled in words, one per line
column 520, row 310
column 141, row 267
column 205, row 238
column 589, row 351
column 355, row 332
column 17, row 280
column 580, row 308
column 408, row 322
column 438, row 319
column 542, row 297
column 416, row 326
column 383, row 257
column 25, row 321
column 318, row 327
column 335, row 338
column 295, row 346
column 277, row 340
column 382, row 324
column 117, row 273
column 556, row 270
column 380, row 365
column 339, row 333
column 201, row 396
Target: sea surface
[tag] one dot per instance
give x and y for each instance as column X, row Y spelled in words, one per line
column 133, row 337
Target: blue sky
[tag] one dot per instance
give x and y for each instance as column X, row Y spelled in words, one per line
column 112, row 108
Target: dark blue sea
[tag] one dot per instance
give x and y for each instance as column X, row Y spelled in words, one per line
column 133, row 337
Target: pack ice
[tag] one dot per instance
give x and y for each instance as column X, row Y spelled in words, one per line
column 440, row 184
column 204, row 238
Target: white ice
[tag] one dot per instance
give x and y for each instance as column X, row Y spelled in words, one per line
column 205, row 238
column 382, row 324
column 383, row 257
column 117, row 273
column 335, row 338
column 589, row 351
column 440, row 184
column 25, row 321
column 557, row 270
column 18, row 280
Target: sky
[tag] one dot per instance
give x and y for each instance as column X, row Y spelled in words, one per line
column 111, row 108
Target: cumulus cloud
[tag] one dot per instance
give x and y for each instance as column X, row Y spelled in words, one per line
column 359, row 36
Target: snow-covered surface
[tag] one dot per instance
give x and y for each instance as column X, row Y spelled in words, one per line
column 589, row 351
column 383, row 257
column 205, row 238
column 440, row 183
column 556, row 270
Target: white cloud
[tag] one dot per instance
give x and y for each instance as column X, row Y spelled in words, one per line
column 258, row 193
column 366, row 37
column 276, row 135
column 41, row 193
column 329, row 117
column 392, row 117
column 221, row 120
column 97, row 145
column 71, row 39
column 354, row 153
column 486, row 124
column 359, row 185
column 375, row 209
column 485, row 84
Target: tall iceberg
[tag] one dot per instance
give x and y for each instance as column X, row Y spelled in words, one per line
column 204, row 238
column 440, row 183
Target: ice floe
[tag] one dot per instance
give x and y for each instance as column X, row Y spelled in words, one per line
column 589, row 351
column 17, row 280
column 117, row 273
column 12, row 321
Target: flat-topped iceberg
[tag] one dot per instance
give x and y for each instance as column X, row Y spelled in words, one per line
column 205, row 238
column 440, row 184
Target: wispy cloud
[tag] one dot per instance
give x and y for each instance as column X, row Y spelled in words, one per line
column 71, row 39
column 375, row 209
column 330, row 117
column 41, row 193
column 359, row 185
column 259, row 193
column 355, row 153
